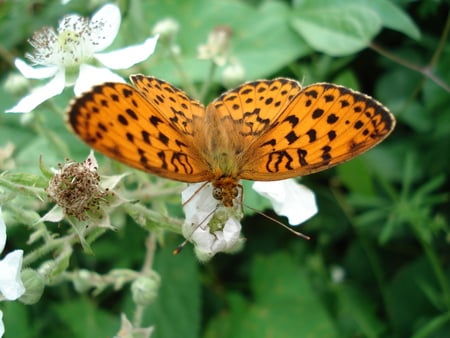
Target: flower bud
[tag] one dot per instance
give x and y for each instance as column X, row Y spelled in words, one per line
column 167, row 29
column 233, row 74
column 82, row 281
column 16, row 84
column 34, row 284
column 144, row 290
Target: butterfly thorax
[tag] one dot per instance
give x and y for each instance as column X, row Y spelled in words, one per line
column 220, row 145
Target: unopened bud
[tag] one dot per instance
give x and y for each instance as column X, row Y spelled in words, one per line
column 167, row 29
column 233, row 74
column 145, row 290
column 34, row 284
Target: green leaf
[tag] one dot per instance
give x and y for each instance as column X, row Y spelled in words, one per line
column 16, row 320
column 356, row 176
column 393, row 17
column 284, row 305
column 404, row 293
column 358, row 311
column 335, row 28
column 176, row 312
column 262, row 40
column 83, row 318
column 389, row 13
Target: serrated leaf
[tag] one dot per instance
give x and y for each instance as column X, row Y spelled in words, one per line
column 336, row 29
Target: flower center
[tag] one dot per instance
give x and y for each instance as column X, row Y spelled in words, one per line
column 73, row 48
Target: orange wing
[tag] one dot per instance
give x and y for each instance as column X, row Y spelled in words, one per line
column 324, row 125
column 255, row 106
column 148, row 128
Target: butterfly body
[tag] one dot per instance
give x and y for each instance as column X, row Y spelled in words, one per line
column 263, row 130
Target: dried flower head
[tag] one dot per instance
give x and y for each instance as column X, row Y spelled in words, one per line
column 76, row 189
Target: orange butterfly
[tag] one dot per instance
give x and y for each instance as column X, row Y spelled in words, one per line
column 263, row 130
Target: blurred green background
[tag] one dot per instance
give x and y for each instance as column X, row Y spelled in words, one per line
column 378, row 263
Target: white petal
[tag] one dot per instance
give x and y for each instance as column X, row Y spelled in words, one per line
column 104, row 26
column 208, row 244
column 90, row 76
column 290, row 199
column 40, row 94
column 228, row 236
column 11, row 285
column 34, row 73
column 2, row 232
column 2, row 327
column 129, row 56
column 198, row 203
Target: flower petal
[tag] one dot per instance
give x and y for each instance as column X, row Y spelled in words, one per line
column 126, row 57
column 40, row 94
column 198, row 203
column 90, row 76
column 2, row 327
column 104, row 26
column 2, row 232
column 290, row 199
column 11, row 285
column 34, row 73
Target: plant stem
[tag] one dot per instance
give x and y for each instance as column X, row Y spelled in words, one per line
column 427, row 70
column 150, row 246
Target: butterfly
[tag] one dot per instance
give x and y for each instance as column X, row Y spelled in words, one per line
column 263, row 130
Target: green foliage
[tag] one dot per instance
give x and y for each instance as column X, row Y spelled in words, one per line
column 378, row 261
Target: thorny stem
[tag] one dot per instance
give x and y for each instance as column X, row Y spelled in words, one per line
column 427, row 70
column 48, row 246
column 147, row 191
column 150, row 246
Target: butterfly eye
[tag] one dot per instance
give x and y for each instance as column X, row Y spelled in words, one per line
column 235, row 192
column 217, row 193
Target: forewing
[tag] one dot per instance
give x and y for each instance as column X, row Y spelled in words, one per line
column 324, row 125
column 147, row 129
column 255, row 106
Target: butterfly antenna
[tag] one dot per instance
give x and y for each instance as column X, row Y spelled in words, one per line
column 296, row 233
column 180, row 247
column 195, row 193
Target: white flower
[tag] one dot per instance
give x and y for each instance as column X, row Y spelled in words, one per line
column 11, row 286
column 290, row 199
column 2, row 327
column 213, row 228
column 209, row 225
column 64, row 56
column 217, row 47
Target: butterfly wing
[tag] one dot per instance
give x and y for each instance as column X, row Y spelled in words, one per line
column 254, row 106
column 236, row 119
column 146, row 128
column 322, row 126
